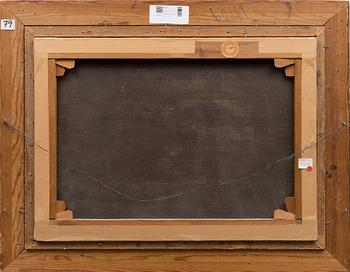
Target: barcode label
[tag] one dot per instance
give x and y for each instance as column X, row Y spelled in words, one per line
column 159, row 9
column 179, row 11
column 160, row 14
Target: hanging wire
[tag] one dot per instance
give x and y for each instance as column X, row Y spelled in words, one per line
column 322, row 138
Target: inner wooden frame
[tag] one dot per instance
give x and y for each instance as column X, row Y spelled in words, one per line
column 303, row 50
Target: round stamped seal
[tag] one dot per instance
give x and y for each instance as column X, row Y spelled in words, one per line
column 230, row 49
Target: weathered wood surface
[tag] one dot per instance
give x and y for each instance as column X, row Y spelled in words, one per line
column 201, row 261
column 145, row 31
column 209, row 12
column 321, row 120
column 11, row 141
column 29, row 131
column 175, row 31
column 336, row 222
column 337, row 147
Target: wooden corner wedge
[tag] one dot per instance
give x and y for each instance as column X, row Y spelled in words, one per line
column 62, row 65
column 60, row 206
column 65, row 215
column 290, row 204
column 280, row 63
column 60, row 70
column 288, row 64
column 289, row 71
column 283, row 215
column 66, row 63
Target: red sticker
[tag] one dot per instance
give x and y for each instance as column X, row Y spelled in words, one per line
column 309, row 168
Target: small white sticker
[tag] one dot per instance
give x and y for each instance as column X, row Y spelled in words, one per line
column 305, row 163
column 8, row 24
column 160, row 14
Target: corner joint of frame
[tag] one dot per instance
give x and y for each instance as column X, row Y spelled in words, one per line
column 3, row 6
column 62, row 65
column 287, row 64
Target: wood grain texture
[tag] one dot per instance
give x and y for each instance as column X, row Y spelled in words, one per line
column 35, row 260
column 179, row 245
column 120, row 31
column 201, row 261
column 209, row 12
column 29, row 131
column 264, row 47
column 127, row 31
column 53, row 134
column 297, row 136
column 337, row 147
column 12, row 141
column 174, row 31
column 321, row 120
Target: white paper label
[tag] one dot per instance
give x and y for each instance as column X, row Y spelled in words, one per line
column 8, row 24
column 160, row 14
column 305, row 163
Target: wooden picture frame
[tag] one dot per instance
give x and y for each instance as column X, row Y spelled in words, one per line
column 325, row 21
column 297, row 54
